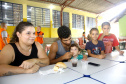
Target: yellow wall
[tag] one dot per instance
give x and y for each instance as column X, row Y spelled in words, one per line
column 50, row 32
column 99, row 24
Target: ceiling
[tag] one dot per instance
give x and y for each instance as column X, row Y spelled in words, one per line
column 93, row 6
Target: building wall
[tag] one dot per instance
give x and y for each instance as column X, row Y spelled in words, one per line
column 51, row 32
column 122, row 26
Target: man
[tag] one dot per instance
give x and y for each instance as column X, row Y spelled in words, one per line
column 59, row 51
column 39, row 35
column 4, row 36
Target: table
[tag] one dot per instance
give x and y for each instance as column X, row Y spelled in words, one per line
column 110, row 71
column 104, row 64
column 112, row 75
column 114, row 56
column 36, row 78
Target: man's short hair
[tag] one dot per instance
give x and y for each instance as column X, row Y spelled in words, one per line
column 39, row 26
column 105, row 23
column 63, row 32
column 3, row 24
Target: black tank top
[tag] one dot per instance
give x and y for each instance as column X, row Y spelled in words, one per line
column 19, row 57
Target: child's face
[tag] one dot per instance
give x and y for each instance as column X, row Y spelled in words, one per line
column 94, row 34
column 106, row 29
column 75, row 51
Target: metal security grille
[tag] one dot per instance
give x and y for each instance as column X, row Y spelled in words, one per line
column 90, row 22
column 38, row 16
column 56, row 19
column 45, row 17
column 31, row 15
column 18, row 13
column 66, row 19
column 10, row 13
column 1, row 18
column 77, row 21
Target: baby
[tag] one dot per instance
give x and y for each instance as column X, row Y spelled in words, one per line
column 75, row 49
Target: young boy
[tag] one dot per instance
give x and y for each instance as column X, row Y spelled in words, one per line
column 75, row 49
column 109, row 39
column 94, row 47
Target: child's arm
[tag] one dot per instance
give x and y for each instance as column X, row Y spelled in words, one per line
column 96, row 56
column 69, row 60
column 84, row 57
column 120, row 52
column 103, row 54
column 102, row 36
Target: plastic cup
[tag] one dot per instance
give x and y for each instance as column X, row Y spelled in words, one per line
column 84, row 64
column 86, row 53
column 74, row 62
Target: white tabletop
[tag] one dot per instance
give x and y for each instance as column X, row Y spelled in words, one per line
column 104, row 64
column 112, row 75
column 114, row 56
column 36, row 78
column 110, row 72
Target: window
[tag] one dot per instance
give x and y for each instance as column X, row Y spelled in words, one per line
column 38, row 16
column 77, row 21
column 45, row 17
column 56, row 19
column 10, row 13
column 66, row 19
column 1, row 12
column 31, row 15
column 90, row 23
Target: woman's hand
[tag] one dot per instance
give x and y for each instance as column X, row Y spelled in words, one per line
column 27, row 64
column 33, row 69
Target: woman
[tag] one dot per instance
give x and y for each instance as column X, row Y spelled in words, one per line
column 24, row 55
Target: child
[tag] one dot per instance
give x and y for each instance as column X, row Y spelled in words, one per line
column 94, row 47
column 89, row 37
column 109, row 39
column 84, row 38
column 74, row 48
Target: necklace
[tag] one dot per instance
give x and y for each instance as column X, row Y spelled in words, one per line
column 24, row 49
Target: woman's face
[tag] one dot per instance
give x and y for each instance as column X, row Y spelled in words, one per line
column 27, row 36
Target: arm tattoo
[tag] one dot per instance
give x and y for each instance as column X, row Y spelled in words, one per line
column 8, row 73
column 43, row 63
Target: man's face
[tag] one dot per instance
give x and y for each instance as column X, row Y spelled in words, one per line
column 106, row 29
column 38, row 29
column 5, row 26
column 66, row 41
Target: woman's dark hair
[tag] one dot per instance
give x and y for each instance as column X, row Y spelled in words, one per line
column 105, row 23
column 93, row 30
column 75, row 45
column 19, row 28
column 63, row 32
